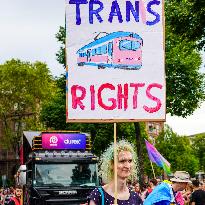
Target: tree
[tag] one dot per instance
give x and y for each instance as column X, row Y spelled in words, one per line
column 60, row 36
column 187, row 19
column 185, row 83
column 178, row 151
column 53, row 113
column 185, row 35
column 199, row 147
column 23, row 88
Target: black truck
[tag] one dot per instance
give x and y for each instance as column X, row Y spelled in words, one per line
column 60, row 168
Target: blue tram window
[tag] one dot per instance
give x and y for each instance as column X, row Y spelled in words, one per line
column 82, row 54
column 129, row 45
column 93, row 52
column 98, row 52
column 104, row 49
column 125, row 45
column 135, row 45
column 110, row 48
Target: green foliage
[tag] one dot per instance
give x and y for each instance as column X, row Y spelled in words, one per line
column 187, row 19
column 53, row 113
column 199, row 149
column 185, row 84
column 61, row 35
column 24, row 86
column 178, row 151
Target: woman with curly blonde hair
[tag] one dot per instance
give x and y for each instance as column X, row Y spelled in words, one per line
column 126, row 169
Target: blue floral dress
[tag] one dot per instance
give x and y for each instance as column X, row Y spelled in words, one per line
column 109, row 200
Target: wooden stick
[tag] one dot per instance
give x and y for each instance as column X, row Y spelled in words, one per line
column 152, row 169
column 115, row 163
column 21, row 202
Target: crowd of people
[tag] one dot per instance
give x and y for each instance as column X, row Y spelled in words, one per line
column 5, row 195
column 178, row 189
column 11, row 196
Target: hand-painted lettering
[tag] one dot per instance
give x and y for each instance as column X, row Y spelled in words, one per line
column 100, row 101
column 115, row 11
column 138, row 8
column 77, row 100
column 92, row 97
column 149, row 9
column 150, row 96
column 136, row 86
column 130, row 8
column 78, row 2
column 121, row 96
column 93, row 12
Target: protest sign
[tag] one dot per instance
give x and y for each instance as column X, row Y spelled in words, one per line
column 115, row 60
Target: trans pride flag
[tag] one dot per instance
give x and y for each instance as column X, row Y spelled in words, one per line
column 157, row 158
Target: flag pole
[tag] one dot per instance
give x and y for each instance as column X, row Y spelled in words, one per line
column 153, row 141
column 115, row 163
column 152, row 169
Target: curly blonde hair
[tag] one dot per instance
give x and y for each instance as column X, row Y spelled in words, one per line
column 107, row 160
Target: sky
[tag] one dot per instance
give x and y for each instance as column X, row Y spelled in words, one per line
column 28, row 29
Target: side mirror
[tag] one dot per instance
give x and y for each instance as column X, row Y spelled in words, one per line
column 22, row 168
column 29, row 182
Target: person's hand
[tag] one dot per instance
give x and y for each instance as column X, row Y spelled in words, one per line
column 186, row 196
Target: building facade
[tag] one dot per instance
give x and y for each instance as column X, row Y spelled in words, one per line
column 154, row 129
column 8, row 158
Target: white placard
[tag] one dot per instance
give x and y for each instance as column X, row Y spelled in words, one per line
column 115, row 60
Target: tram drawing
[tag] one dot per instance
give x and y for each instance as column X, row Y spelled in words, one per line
column 121, row 50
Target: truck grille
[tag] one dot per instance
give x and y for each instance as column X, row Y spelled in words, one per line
column 64, row 202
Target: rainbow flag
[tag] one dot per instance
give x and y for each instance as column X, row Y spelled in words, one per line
column 157, row 158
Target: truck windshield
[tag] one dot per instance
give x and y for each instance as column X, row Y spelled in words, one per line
column 81, row 174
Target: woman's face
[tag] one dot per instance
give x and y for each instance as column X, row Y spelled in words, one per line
column 124, row 165
column 203, row 186
column 137, row 187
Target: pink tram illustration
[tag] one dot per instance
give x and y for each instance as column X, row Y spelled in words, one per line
column 122, row 50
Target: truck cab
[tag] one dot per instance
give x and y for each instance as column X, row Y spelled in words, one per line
column 60, row 169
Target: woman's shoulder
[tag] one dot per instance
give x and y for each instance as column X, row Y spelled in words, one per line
column 99, row 194
column 96, row 195
column 135, row 197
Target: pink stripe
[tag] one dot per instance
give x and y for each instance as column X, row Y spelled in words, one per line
column 100, row 58
column 82, row 59
column 142, row 10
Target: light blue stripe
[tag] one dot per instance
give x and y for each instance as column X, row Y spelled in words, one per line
column 110, row 37
column 124, row 66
